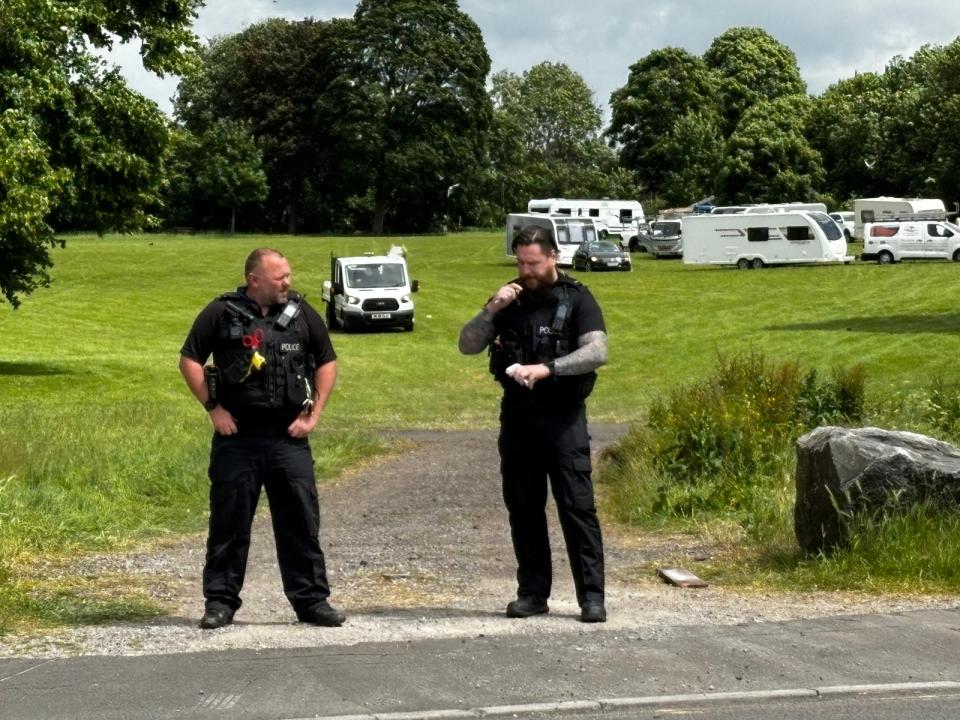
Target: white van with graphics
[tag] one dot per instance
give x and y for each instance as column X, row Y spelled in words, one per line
column 890, row 242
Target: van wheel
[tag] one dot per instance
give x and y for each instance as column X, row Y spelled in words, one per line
column 956, row 255
column 408, row 327
column 756, row 263
column 848, row 235
column 743, row 264
column 603, row 234
column 885, row 258
column 331, row 317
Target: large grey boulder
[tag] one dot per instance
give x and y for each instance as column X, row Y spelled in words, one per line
column 841, row 471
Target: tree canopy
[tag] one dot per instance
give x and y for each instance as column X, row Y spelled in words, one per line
column 74, row 139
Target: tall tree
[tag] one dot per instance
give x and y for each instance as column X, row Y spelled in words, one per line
column 670, row 98
column 751, row 67
column 67, row 126
column 845, row 127
column 546, row 139
column 420, row 74
column 277, row 77
column 768, row 158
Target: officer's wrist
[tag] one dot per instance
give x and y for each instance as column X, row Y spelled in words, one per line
column 210, row 404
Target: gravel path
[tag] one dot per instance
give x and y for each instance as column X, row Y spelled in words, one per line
column 418, row 547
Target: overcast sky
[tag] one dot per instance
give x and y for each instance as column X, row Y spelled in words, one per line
column 600, row 39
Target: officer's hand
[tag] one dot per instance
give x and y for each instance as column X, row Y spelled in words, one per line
column 302, row 426
column 223, row 422
column 505, row 295
column 528, row 375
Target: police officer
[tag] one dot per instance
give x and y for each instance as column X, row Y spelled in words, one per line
column 546, row 337
column 273, row 370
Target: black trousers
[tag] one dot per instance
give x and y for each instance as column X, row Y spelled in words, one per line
column 537, row 445
column 240, row 465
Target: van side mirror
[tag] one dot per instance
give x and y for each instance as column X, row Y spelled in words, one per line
column 338, row 288
column 414, row 285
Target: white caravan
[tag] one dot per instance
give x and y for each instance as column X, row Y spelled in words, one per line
column 760, row 208
column 569, row 232
column 890, row 242
column 752, row 241
column 612, row 217
column 880, row 209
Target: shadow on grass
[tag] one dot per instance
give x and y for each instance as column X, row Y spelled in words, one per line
column 13, row 368
column 894, row 324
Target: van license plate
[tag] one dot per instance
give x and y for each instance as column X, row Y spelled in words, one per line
column 380, row 316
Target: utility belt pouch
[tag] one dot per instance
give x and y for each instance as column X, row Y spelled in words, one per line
column 503, row 354
column 211, row 375
column 237, row 368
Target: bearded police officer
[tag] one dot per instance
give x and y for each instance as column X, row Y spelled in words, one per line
column 546, row 337
column 273, row 370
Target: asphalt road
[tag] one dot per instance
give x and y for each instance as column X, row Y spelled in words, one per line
column 522, row 675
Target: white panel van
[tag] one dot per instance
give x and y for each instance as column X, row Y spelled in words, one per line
column 890, row 242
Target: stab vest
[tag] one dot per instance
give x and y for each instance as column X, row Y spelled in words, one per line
column 534, row 330
column 279, row 388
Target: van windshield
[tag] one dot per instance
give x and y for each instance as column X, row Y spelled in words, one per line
column 375, row 276
column 829, row 227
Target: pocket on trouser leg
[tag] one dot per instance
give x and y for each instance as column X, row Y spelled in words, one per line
column 575, row 479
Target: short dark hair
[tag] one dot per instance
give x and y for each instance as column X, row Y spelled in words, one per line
column 535, row 235
column 255, row 259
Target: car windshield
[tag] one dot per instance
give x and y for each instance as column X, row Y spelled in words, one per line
column 603, row 246
column 375, row 276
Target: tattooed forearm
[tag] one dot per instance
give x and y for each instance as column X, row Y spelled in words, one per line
column 477, row 334
column 591, row 354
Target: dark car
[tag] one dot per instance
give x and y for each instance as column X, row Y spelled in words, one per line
column 601, row 255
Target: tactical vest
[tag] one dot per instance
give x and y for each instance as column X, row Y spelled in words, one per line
column 537, row 331
column 283, row 382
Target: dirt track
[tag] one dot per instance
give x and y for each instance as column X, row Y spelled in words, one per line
column 418, row 547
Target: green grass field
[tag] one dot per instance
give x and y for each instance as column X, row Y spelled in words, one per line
column 102, row 445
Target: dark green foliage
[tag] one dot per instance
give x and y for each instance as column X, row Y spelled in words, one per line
column 725, row 445
column 77, row 147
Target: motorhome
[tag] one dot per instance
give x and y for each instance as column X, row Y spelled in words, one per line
column 569, row 232
column 667, row 238
column 756, row 240
column 880, row 209
column 369, row 291
column 623, row 218
column 890, row 242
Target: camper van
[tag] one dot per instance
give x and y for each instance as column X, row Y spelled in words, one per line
column 881, row 209
column 667, row 238
column 623, row 218
column 756, row 240
column 890, row 242
column 569, row 232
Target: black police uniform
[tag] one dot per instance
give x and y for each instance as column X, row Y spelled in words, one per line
column 262, row 453
column 543, row 434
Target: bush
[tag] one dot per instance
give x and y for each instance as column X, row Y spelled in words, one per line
column 725, row 445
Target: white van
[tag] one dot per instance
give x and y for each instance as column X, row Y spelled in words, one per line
column 755, row 240
column 667, row 238
column 368, row 291
column 569, row 232
column 623, row 218
column 890, row 242
column 881, row 209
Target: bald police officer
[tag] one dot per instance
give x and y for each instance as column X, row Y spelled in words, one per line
column 273, row 370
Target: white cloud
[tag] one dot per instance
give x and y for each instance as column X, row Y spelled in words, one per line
column 832, row 39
